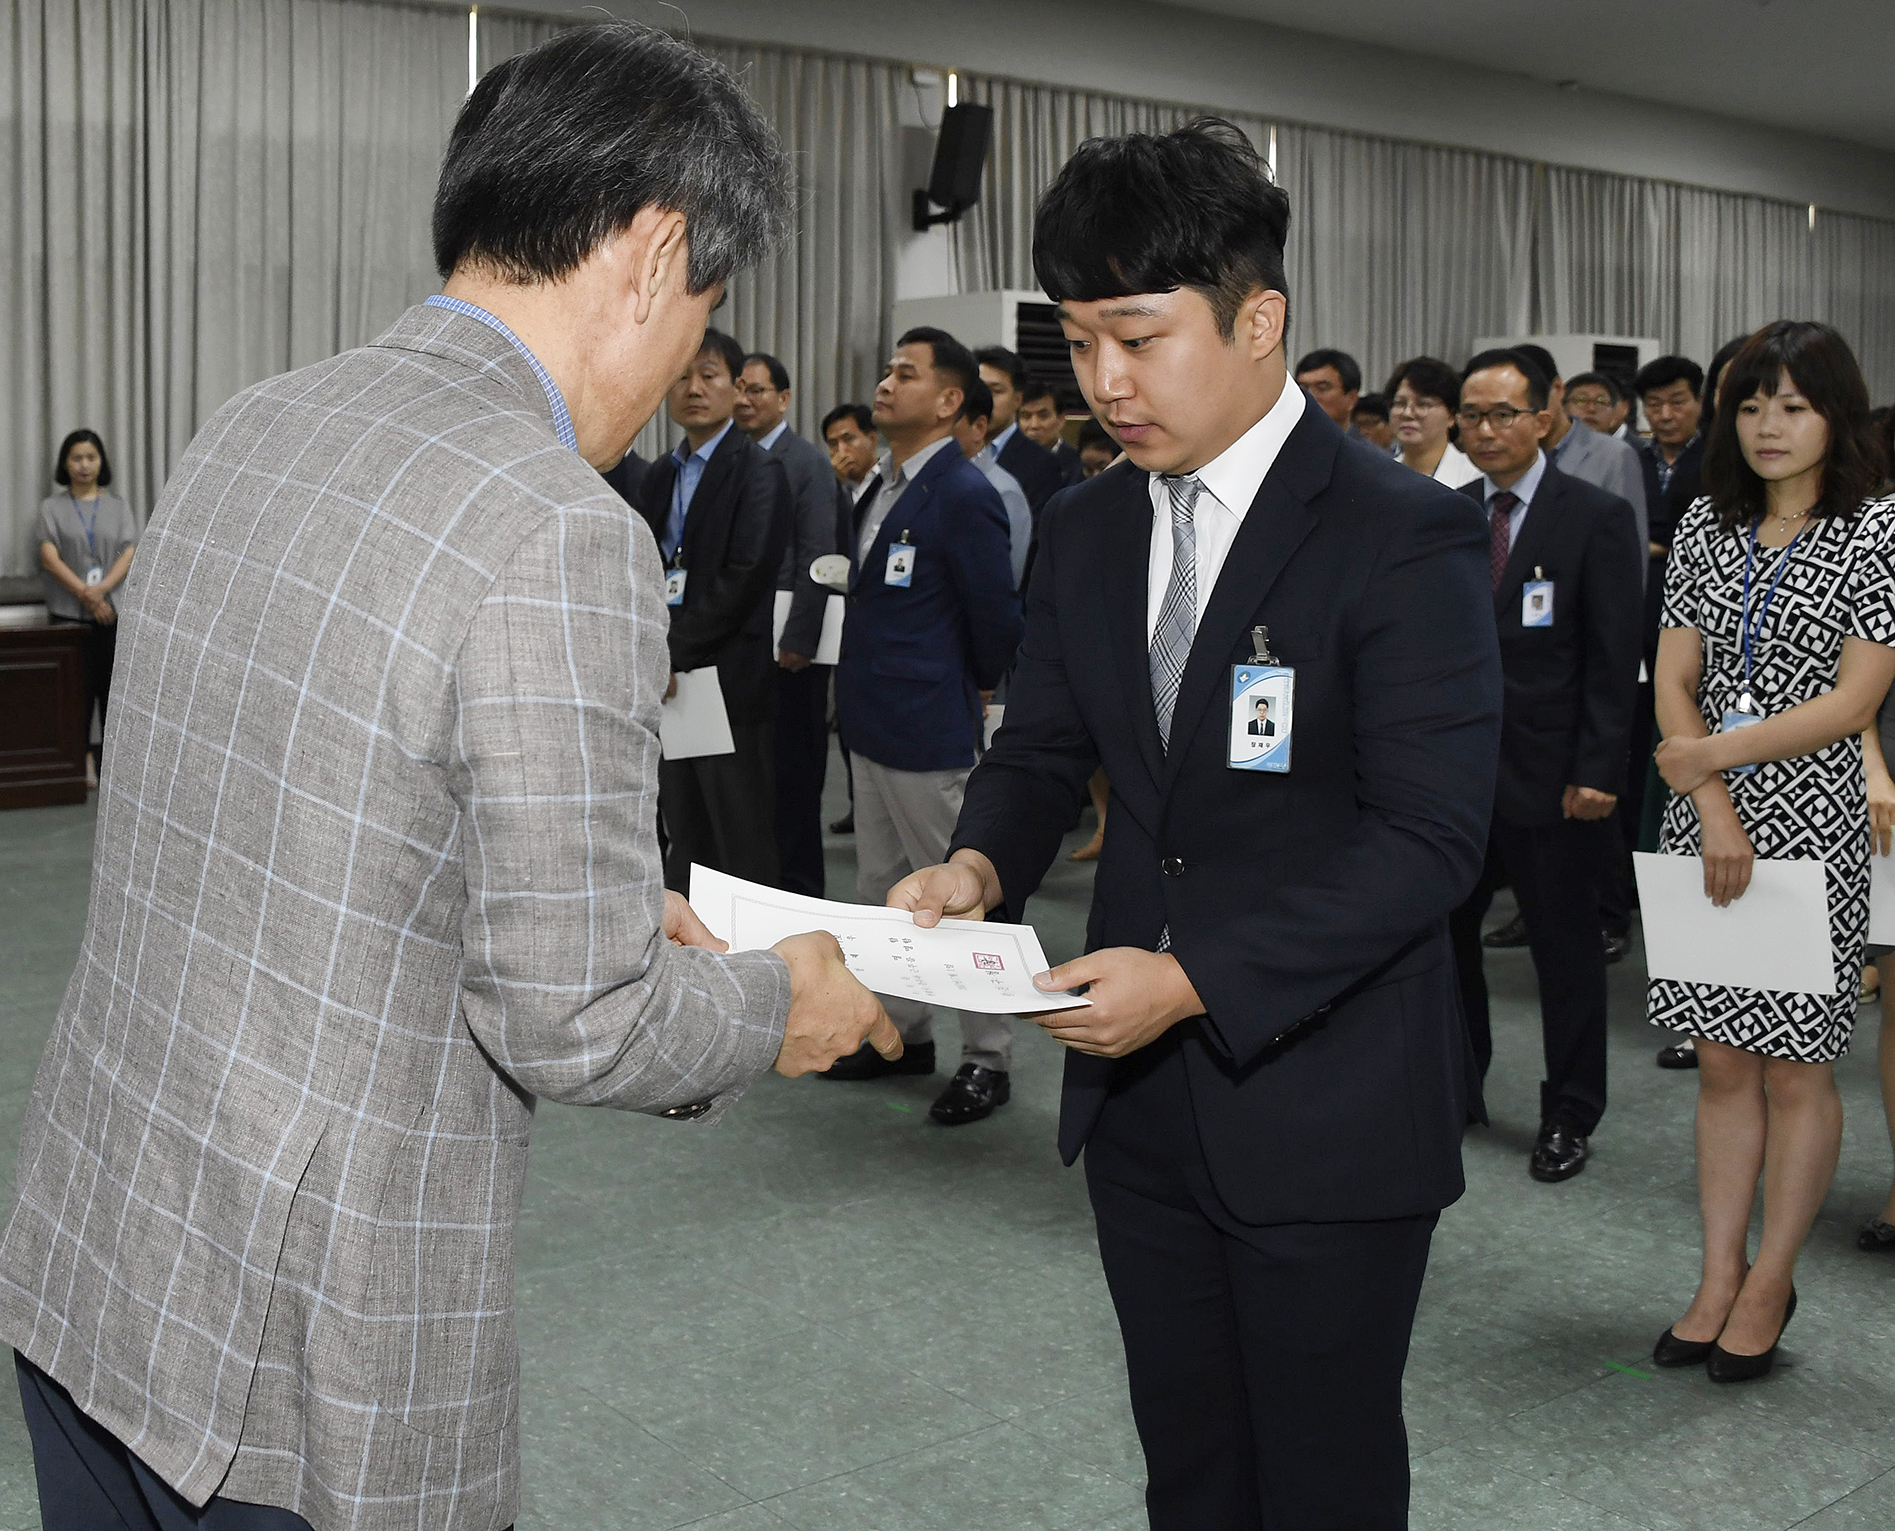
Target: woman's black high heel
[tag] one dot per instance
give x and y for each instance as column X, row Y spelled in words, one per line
column 1672, row 1351
column 1725, row 1367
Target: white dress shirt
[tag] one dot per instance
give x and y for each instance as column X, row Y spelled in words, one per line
column 894, row 486
column 1523, row 488
column 775, row 436
column 1231, row 481
column 1456, row 469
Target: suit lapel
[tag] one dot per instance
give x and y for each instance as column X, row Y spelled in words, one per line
column 1124, row 542
column 1273, row 529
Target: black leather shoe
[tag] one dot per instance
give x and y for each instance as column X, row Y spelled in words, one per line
column 1560, row 1154
column 1680, row 1055
column 1513, row 933
column 1726, row 1367
column 1875, row 1234
column 1616, row 946
column 1672, row 1351
column 866, row 1063
column 971, row 1094
column 844, row 825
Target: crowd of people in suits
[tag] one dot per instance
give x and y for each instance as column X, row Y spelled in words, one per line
column 975, row 450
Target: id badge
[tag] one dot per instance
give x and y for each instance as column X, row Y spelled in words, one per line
column 1536, row 603
column 901, row 565
column 674, row 586
column 1262, row 713
column 1733, row 721
column 94, row 574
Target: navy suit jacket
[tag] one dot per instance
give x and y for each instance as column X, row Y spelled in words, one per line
column 1330, row 1076
column 734, row 533
column 1038, row 471
column 915, row 658
column 1571, row 687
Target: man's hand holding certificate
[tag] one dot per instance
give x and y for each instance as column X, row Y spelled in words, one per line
column 1133, row 997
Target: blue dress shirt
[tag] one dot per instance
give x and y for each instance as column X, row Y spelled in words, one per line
column 690, row 473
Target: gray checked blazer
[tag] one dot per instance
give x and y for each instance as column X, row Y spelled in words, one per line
column 376, row 867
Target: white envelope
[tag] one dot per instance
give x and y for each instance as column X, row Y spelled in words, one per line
column 969, row 964
column 1881, row 899
column 694, row 722
column 996, row 715
column 828, row 644
column 1775, row 937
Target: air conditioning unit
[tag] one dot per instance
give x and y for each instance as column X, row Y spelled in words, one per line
column 1618, row 356
column 1021, row 320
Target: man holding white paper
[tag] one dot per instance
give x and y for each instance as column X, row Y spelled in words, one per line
column 719, row 506
column 819, row 529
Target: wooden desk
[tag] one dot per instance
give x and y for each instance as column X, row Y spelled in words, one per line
column 42, row 736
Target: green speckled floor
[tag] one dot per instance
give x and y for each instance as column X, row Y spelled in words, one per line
column 829, row 1314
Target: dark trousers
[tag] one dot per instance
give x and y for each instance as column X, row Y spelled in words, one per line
column 720, row 810
column 88, row 1481
column 95, row 657
column 1265, row 1363
column 1552, row 868
column 802, row 760
column 1611, row 861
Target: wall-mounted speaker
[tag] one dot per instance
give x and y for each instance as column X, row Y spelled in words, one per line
column 960, row 154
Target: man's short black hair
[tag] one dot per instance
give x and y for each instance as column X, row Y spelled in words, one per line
column 717, row 343
column 952, row 359
column 864, row 420
column 1373, row 404
column 978, row 401
column 1603, row 380
column 1007, row 361
column 1035, row 390
column 1540, row 357
column 779, row 374
column 63, row 476
column 1665, row 371
column 1539, row 390
column 1148, row 213
column 1346, row 367
column 559, row 148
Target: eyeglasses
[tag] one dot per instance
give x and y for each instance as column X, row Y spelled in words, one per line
column 756, row 390
column 1501, row 417
column 1414, row 406
column 1589, row 401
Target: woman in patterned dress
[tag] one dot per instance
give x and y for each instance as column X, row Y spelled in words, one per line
column 1792, row 467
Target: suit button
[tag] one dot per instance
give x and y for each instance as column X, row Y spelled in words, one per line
column 1171, row 866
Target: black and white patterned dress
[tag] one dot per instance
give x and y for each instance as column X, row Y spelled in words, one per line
column 1840, row 584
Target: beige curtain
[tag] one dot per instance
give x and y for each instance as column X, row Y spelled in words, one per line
column 204, row 193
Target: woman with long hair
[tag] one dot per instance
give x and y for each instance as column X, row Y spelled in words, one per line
column 85, row 551
column 1774, row 655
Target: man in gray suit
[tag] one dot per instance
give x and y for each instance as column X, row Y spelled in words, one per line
column 376, row 864
column 822, row 519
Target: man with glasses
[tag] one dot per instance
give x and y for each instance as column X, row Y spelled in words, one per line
column 1564, row 572
column 1601, row 402
column 820, row 516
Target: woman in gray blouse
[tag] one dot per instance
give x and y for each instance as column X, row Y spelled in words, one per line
column 85, row 550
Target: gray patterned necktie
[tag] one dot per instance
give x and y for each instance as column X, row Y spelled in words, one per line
column 1178, row 612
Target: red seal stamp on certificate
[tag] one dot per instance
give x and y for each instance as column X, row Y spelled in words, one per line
column 987, row 962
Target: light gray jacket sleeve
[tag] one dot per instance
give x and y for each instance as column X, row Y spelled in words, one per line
column 568, row 981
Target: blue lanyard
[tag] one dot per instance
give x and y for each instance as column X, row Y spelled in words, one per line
column 92, row 548
column 1747, row 633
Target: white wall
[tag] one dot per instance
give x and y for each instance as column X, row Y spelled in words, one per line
column 1133, row 47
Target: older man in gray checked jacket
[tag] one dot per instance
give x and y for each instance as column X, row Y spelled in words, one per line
column 376, row 858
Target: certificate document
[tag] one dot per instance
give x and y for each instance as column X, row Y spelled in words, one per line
column 694, row 721
column 964, row 964
column 1775, row 937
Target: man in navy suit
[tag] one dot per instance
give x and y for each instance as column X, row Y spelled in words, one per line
column 1565, row 566
column 1272, row 1079
column 1040, row 419
column 1036, row 469
column 932, row 622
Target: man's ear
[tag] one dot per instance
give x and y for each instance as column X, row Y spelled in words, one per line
column 959, row 396
column 1262, row 321
column 660, row 256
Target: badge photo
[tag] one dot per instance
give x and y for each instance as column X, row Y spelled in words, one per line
column 1536, row 603
column 674, row 586
column 901, row 565
column 1262, row 706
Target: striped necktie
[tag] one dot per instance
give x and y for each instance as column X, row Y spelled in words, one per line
column 1178, row 612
